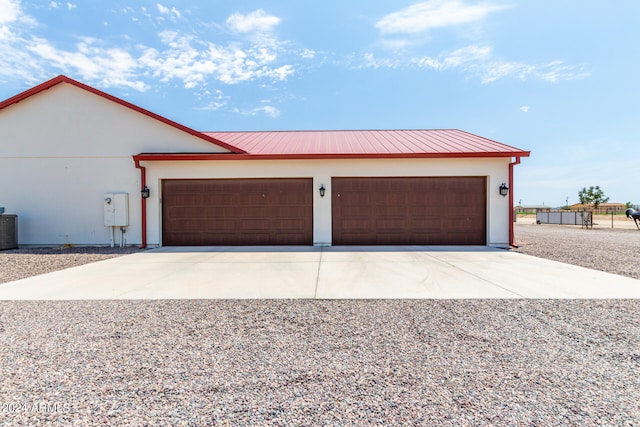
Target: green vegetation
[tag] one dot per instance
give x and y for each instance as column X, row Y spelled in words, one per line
column 592, row 196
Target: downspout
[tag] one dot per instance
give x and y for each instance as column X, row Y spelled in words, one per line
column 511, row 218
column 143, row 183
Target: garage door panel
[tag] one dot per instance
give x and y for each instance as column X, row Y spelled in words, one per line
column 354, row 197
column 290, row 211
column 223, row 199
column 357, row 224
column 237, row 212
column 212, row 212
column 412, row 210
column 361, row 211
column 214, row 224
column 289, row 225
column 391, row 211
column 391, row 225
column 394, row 197
column 191, row 226
column 251, row 212
column 420, row 224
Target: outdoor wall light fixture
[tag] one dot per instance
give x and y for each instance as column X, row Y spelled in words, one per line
column 145, row 192
column 322, row 190
column 504, row 190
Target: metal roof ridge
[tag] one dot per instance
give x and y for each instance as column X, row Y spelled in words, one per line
column 337, row 130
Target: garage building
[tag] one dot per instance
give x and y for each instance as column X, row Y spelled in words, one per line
column 66, row 147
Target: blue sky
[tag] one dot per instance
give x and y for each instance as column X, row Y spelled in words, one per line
column 557, row 78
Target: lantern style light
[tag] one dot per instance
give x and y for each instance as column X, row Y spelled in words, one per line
column 145, row 192
column 504, row 190
column 322, row 190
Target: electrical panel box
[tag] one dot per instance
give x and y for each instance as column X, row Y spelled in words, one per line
column 116, row 209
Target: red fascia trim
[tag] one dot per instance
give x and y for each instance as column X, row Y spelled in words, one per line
column 64, row 79
column 30, row 92
column 233, row 156
column 511, row 233
column 143, row 183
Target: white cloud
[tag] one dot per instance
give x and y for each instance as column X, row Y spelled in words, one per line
column 35, row 58
column 270, row 111
column 9, row 11
column 308, row 54
column 421, row 17
column 525, row 108
column 552, row 72
column 395, row 45
column 219, row 101
column 171, row 12
column 496, row 70
column 215, row 101
column 256, row 21
column 179, row 56
column 57, row 5
column 371, row 61
column 193, row 61
column 266, row 110
column 409, row 26
column 556, row 71
column 479, row 61
column 110, row 66
column 467, row 55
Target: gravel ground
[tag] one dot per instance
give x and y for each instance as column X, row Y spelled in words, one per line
column 18, row 264
column 611, row 250
column 299, row 362
column 196, row 363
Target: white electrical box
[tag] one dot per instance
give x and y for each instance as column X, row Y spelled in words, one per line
column 116, row 209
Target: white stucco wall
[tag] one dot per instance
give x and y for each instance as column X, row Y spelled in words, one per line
column 496, row 171
column 61, row 150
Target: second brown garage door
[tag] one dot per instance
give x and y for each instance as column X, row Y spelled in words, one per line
column 409, row 211
column 200, row 212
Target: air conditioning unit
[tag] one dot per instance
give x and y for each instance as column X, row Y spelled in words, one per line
column 8, row 232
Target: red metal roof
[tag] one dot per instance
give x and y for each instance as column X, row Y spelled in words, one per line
column 64, row 79
column 367, row 143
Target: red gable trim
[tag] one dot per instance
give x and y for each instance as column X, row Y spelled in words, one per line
column 231, row 156
column 64, row 79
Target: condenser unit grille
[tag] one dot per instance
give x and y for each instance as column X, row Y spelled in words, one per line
column 8, row 232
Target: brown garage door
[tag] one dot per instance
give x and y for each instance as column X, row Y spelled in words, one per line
column 237, row 212
column 409, row 211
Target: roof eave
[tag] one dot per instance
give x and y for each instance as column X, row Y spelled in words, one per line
column 246, row 156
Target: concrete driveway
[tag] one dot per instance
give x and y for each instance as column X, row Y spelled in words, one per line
column 323, row 273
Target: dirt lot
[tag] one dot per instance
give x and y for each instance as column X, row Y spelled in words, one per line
column 614, row 250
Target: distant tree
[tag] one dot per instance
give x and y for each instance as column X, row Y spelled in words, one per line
column 592, row 196
column 628, row 205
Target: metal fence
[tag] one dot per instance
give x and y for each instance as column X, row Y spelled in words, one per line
column 564, row 217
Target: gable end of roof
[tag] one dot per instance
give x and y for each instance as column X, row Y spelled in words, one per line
column 64, row 79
